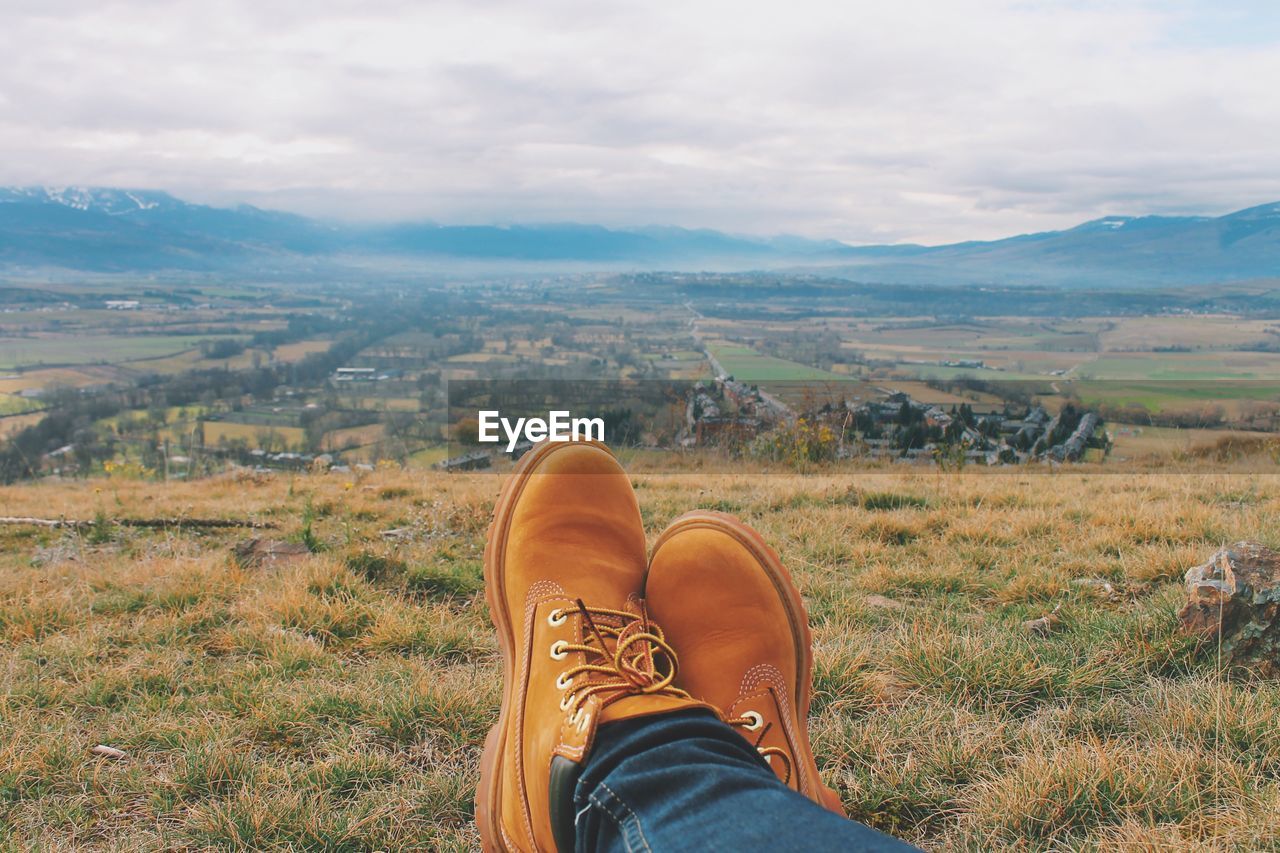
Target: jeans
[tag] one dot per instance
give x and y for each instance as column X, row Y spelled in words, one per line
column 686, row 781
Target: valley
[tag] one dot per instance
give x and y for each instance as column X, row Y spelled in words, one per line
column 187, row 378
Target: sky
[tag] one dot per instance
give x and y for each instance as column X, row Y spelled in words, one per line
column 860, row 121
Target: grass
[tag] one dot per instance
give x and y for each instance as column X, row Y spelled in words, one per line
column 1183, row 366
column 1130, row 441
column 340, row 702
column 1164, row 395
column 12, row 404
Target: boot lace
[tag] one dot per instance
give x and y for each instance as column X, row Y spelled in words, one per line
column 753, row 721
column 624, row 654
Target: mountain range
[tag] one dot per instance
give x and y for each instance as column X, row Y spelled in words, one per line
column 120, row 230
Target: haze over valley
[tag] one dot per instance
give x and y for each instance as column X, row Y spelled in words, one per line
column 118, row 230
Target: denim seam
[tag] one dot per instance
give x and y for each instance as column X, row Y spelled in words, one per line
column 624, row 822
column 598, row 803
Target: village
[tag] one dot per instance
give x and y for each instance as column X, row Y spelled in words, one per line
column 730, row 413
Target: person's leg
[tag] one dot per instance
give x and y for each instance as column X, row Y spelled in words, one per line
column 687, row 781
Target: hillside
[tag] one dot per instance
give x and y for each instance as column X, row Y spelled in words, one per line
column 116, row 230
column 341, row 701
column 1115, row 250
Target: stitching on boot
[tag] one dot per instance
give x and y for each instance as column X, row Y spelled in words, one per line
column 526, row 643
column 770, row 676
column 539, row 593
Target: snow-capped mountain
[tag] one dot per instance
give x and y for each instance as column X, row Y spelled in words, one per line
column 110, row 229
column 114, row 202
column 101, row 228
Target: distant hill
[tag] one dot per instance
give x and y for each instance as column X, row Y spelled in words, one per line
column 1114, row 250
column 119, row 230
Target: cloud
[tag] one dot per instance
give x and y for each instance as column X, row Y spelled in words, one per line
column 855, row 120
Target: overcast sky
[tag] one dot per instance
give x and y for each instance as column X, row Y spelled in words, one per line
column 864, row 121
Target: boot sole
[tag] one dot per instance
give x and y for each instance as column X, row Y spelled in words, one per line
column 489, row 792
column 796, row 614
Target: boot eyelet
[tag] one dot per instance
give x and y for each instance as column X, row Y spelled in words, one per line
column 563, row 680
column 559, row 650
column 557, row 618
column 756, row 720
column 582, row 723
column 573, row 718
column 566, row 701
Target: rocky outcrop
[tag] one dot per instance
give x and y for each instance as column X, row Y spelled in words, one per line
column 1236, row 597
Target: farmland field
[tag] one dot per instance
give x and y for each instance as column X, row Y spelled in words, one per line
column 91, row 349
column 1177, row 367
column 747, row 365
column 352, row 437
column 57, row 377
column 481, row 358
column 193, row 359
column 216, row 431
column 300, row 350
column 1168, row 365
column 11, row 424
column 12, row 404
column 1132, row 441
column 1169, row 395
column 391, row 404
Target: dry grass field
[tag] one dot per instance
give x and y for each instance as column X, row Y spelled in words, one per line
column 11, row 424
column 99, row 374
column 339, row 702
column 215, row 431
column 360, row 436
column 193, row 359
column 1147, row 443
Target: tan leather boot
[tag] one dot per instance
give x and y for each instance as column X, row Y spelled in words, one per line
column 564, row 565
column 729, row 607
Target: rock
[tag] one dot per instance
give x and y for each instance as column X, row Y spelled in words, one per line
column 1236, row 597
column 253, row 553
column 1045, row 625
column 108, row 751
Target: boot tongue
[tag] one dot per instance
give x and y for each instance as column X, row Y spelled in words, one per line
column 639, row 666
column 644, row 705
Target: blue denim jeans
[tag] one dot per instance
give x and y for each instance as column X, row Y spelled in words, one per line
column 686, row 781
